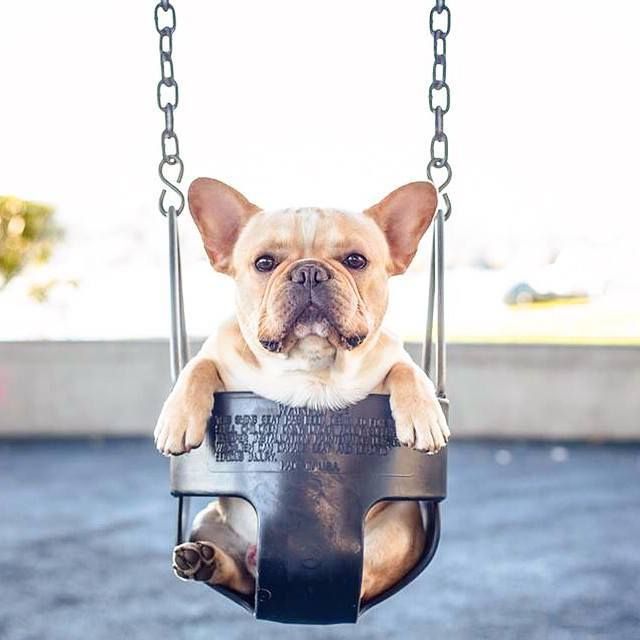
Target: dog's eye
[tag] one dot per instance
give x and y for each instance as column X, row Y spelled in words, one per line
column 355, row 261
column 265, row 263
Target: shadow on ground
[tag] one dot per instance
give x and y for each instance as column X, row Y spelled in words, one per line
column 537, row 543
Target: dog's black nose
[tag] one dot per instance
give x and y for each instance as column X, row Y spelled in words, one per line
column 309, row 274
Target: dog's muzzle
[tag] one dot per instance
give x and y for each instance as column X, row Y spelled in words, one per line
column 309, row 274
column 310, row 300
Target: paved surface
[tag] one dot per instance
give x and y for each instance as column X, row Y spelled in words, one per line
column 538, row 542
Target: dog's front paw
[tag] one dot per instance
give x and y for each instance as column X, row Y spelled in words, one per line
column 195, row 561
column 420, row 422
column 181, row 425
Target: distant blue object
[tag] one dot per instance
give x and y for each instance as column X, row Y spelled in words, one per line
column 524, row 293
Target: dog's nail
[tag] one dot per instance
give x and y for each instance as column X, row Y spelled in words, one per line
column 271, row 345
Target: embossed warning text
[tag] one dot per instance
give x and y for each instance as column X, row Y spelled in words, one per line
column 294, row 436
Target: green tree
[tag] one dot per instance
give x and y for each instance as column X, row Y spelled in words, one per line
column 27, row 235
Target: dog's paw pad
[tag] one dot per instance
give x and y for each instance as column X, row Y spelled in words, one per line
column 194, row 561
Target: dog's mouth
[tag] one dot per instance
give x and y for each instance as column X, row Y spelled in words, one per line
column 312, row 321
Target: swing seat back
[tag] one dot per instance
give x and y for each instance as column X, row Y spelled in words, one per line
column 311, row 476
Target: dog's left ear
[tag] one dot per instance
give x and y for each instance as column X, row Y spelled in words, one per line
column 404, row 215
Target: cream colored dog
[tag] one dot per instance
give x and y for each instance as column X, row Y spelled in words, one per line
column 311, row 296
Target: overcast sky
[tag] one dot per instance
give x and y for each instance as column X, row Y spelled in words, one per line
column 305, row 103
column 325, row 103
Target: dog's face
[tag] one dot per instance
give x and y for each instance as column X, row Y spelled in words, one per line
column 310, row 275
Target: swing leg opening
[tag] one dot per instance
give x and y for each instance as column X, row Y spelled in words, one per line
column 312, row 582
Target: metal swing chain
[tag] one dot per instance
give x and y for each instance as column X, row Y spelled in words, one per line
column 440, row 173
column 440, row 101
column 171, row 167
column 171, row 170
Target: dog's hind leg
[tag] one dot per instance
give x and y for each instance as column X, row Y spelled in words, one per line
column 216, row 553
column 394, row 540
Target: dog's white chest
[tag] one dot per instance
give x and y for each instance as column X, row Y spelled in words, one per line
column 311, row 388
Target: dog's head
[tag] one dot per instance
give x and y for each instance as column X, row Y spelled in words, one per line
column 310, row 274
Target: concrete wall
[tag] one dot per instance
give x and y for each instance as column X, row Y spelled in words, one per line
column 537, row 391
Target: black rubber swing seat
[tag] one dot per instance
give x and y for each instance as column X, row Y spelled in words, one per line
column 311, row 477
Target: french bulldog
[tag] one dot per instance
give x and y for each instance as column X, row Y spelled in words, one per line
column 311, row 295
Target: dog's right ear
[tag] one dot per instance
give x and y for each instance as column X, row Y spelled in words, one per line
column 219, row 212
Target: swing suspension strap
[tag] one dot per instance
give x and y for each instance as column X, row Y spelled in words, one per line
column 171, row 203
column 171, row 170
column 440, row 173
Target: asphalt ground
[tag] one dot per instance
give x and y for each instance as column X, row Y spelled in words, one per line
column 539, row 541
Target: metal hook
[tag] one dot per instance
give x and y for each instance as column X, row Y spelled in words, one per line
column 447, row 211
column 167, row 162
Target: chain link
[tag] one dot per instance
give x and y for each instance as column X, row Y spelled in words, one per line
column 439, row 169
column 171, row 168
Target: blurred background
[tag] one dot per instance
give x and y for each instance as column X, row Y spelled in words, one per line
column 295, row 104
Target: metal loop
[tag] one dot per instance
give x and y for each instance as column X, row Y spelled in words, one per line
column 439, row 122
column 164, row 209
column 170, row 88
column 432, row 17
column 169, row 139
column 440, row 160
column 439, row 65
column 166, row 8
column 436, row 89
column 439, row 37
column 166, row 62
column 445, row 183
column 166, row 35
column 168, row 118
